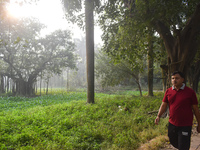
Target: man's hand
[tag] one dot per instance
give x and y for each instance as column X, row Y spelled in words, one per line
column 197, row 115
column 198, row 128
column 162, row 109
column 157, row 120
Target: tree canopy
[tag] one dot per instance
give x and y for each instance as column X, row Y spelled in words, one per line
column 25, row 54
column 130, row 26
column 175, row 22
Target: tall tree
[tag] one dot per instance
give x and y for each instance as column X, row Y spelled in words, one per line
column 89, row 25
column 124, row 39
column 150, row 65
column 27, row 55
column 194, row 72
column 73, row 6
column 177, row 23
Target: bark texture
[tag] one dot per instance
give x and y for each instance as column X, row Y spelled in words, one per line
column 183, row 44
column 89, row 18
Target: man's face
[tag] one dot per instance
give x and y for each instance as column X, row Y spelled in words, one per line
column 177, row 80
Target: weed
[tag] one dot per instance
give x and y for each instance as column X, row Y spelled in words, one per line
column 66, row 121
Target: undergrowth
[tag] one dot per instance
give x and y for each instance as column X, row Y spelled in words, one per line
column 66, row 121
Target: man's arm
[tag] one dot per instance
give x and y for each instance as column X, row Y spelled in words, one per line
column 162, row 109
column 197, row 115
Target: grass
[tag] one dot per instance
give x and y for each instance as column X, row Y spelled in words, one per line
column 154, row 144
column 13, row 103
column 65, row 121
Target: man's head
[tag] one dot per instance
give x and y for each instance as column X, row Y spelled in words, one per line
column 177, row 79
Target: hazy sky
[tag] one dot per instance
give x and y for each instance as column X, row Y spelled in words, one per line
column 50, row 13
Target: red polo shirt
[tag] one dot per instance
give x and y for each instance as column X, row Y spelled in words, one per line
column 180, row 105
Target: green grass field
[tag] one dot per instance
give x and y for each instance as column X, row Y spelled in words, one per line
column 63, row 121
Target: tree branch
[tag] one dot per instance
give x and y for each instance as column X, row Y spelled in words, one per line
column 166, row 35
column 190, row 33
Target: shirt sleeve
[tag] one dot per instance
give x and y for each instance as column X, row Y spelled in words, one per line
column 165, row 98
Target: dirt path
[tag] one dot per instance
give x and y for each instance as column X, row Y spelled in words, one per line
column 158, row 142
column 195, row 144
column 195, row 141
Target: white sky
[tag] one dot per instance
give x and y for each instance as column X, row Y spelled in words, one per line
column 50, row 13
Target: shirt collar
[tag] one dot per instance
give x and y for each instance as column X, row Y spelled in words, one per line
column 182, row 87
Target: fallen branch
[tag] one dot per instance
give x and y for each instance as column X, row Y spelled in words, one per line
column 152, row 112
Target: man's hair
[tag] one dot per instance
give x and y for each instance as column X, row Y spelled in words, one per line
column 178, row 72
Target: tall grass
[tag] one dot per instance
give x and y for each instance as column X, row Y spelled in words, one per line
column 66, row 121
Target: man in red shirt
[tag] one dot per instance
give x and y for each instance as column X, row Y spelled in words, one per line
column 182, row 103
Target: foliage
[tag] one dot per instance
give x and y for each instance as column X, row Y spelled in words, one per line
column 64, row 124
column 127, row 25
column 74, row 10
column 111, row 73
column 123, row 37
column 54, row 51
column 26, row 55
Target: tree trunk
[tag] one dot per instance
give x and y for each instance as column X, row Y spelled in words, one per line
column 164, row 76
column 164, row 68
column 47, row 86
column 41, row 85
column 67, row 79
column 150, row 66
column 182, row 45
column 2, row 90
column 194, row 75
column 7, row 83
column 137, row 80
column 35, row 87
column 195, row 84
column 24, row 88
column 139, row 86
column 89, row 18
column 13, row 88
